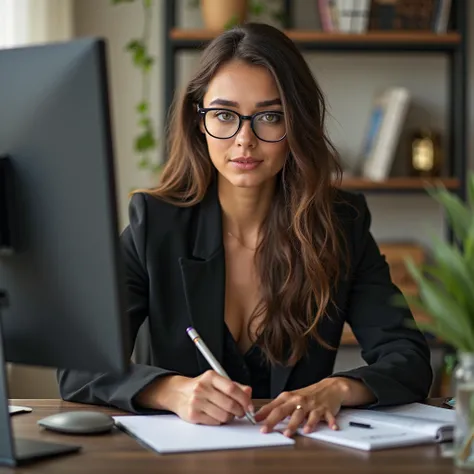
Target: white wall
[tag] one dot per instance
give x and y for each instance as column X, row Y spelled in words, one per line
column 349, row 82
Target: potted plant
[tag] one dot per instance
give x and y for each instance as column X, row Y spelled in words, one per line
column 446, row 295
column 217, row 14
column 221, row 15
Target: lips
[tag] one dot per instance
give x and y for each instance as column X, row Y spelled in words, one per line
column 245, row 160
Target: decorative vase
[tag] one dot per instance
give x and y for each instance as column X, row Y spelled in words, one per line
column 464, row 427
column 217, row 14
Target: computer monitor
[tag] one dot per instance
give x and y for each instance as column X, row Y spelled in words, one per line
column 60, row 263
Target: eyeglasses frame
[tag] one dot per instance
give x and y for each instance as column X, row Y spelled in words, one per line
column 202, row 111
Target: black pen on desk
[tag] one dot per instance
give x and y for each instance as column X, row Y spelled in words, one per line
column 359, row 425
column 213, row 362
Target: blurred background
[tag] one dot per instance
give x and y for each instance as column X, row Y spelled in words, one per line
column 396, row 74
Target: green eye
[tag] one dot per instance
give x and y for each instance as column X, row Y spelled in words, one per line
column 225, row 116
column 271, row 118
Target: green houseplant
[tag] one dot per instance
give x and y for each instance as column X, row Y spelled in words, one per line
column 446, row 295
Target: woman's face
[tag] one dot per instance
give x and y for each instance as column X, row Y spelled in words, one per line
column 243, row 159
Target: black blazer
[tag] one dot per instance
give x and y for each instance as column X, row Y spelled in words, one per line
column 175, row 270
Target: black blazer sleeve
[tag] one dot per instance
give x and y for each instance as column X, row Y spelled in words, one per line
column 398, row 357
column 106, row 389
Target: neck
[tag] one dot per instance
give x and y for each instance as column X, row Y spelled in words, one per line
column 244, row 209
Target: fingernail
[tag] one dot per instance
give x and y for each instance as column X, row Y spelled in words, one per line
column 251, row 409
column 287, row 433
column 334, row 427
column 307, row 429
column 263, row 429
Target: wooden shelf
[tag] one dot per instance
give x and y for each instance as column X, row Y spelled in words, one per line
column 314, row 39
column 397, row 184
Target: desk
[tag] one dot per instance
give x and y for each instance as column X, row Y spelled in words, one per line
column 118, row 453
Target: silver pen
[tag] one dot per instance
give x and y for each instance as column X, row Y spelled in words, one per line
column 207, row 354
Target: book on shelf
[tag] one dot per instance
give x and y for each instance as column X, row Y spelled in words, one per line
column 360, row 16
column 385, row 125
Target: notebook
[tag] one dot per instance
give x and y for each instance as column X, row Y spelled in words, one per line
column 389, row 427
column 170, row 434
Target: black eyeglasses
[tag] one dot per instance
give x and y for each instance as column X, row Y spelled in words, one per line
column 224, row 123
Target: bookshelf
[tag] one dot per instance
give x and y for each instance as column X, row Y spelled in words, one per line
column 317, row 40
column 453, row 45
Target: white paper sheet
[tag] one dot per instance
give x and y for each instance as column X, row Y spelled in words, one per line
column 14, row 409
column 170, row 434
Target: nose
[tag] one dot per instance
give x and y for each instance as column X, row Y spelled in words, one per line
column 245, row 136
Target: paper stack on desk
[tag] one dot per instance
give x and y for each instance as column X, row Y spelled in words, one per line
column 170, row 434
column 391, row 427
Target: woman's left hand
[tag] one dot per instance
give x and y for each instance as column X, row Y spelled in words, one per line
column 318, row 402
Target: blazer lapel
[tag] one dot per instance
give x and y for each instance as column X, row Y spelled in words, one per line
column 204, row 278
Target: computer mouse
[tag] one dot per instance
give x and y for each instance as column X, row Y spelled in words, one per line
column 78, row 422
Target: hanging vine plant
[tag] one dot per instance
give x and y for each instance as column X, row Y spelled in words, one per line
column 146, row 141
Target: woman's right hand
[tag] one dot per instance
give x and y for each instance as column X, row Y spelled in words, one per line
column 208, row 399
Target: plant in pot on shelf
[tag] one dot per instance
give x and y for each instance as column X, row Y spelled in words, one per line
column 446, row 295
column 224, row 14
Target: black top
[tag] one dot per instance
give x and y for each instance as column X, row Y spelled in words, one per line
column 250, row 368
column 174, row 262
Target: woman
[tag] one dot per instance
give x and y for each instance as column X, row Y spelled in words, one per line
column 248, row 240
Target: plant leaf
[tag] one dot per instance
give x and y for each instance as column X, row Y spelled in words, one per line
column 435, row 327
column 256, row 7
column 469, row 246
column 458, row 214
column 145, row 141
column 451, row 261
column 442, row 307
column 142, row 107
column 134, row 45
column 444, row 281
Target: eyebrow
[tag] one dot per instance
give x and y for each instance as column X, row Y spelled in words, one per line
column 231, row 103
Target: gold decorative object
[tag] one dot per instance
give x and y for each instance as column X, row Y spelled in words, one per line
column 425, row 153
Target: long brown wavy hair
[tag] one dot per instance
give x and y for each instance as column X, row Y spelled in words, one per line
column 299, row 257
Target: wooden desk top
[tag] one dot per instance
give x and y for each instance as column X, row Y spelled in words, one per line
column 116, row 453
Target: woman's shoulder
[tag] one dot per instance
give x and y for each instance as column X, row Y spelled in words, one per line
column 354, row 218
column 148, row 210
column 350, row 206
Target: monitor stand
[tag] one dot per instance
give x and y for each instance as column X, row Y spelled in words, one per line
column 15, row 451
